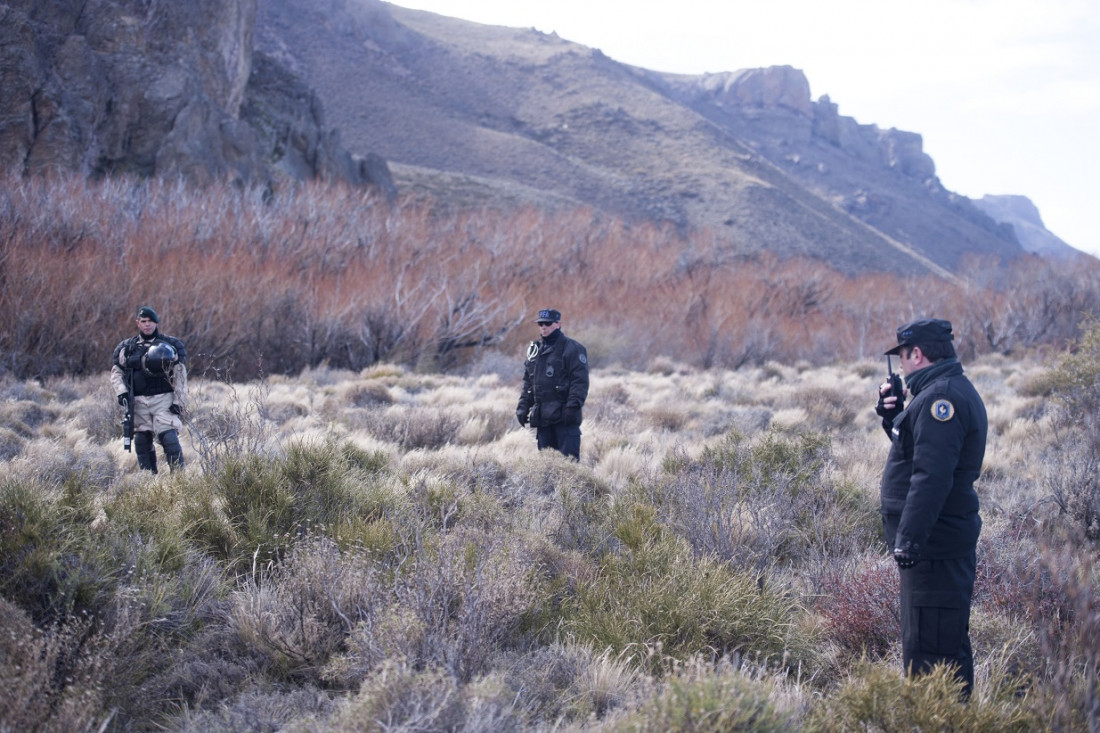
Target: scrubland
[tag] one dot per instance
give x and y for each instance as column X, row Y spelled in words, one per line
column 364, row 538
column 385, row 550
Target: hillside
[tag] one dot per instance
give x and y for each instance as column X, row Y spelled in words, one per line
column 470, row 116
column 492, row 115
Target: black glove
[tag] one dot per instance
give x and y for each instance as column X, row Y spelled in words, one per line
column 175, row 409
column 905, row 558
column 571, row 416
column 521, row 415
column 124, row 399
column 889, row 413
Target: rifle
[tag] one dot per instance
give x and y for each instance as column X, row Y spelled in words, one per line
column 128, row 421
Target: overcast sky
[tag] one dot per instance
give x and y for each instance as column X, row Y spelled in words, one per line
column 1006, row 93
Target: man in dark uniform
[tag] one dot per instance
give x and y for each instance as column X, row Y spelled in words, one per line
column 929, row 506
column 154, row 365
column 555, row 386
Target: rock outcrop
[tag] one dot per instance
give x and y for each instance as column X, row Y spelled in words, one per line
column 774, row 86
column 167, row 89
column 1023, row 216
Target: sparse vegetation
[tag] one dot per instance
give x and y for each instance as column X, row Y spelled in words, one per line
column 370, row 543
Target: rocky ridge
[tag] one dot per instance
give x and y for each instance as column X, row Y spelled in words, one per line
column 485, row 115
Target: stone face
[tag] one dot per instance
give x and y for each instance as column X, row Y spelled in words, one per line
column 771, row 87
column 155, row 89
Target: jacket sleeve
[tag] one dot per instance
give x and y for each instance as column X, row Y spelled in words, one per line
column 179, row 384
column 179, row 372
column 118, row 375
column 577, row 377
column 526, row 393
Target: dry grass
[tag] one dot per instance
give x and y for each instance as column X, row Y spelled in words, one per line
column 401, row 544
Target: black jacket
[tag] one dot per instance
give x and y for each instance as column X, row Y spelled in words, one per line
column 555, row 381
column 929, row 506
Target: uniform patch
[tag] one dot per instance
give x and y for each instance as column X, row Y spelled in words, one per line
column 943, row 410
column 532, row 351
column 583, row 357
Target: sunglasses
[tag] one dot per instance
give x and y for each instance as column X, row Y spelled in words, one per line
column 545, row 323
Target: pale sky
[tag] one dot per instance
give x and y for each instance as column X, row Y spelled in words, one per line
column 1005, row 93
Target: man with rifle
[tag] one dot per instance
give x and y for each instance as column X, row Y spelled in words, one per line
column 929, row 506
column 149, row 375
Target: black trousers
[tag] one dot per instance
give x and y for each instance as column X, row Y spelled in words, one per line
column 935, row 616
column 565, row 438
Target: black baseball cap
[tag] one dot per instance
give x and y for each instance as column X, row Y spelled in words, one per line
column 923, row 331
column 549, row 314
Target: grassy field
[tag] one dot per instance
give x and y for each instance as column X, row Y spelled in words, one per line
column 385, row 549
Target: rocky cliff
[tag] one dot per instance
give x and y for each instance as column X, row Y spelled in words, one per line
column 158, row 88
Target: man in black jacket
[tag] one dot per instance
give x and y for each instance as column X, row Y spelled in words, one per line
column 929, row 506
column 555, row 386
column 154, row 365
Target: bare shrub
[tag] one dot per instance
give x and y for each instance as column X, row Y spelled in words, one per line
column 752, row 503
column 1070, row 654
column 413, row 428
column 263, row 709
column 1073, row 472
column 54, row 680
column 338, row 278
column 453, row 601
column 224, row 424
column 860, row 606
column 297, row 614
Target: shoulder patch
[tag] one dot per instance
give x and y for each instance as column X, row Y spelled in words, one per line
column 583, row 357
column 943, row 410
column 532, row 350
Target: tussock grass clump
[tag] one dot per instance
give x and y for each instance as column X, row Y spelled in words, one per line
column 50, row 563
column 760, row 502
column 698, row 695
column 255, row 506
column 876, row 697
column 657, row 592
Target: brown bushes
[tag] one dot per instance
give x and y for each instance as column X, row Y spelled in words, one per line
column 332, row 275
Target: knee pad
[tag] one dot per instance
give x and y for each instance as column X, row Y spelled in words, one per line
column 173, row 451
column 143, row 448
